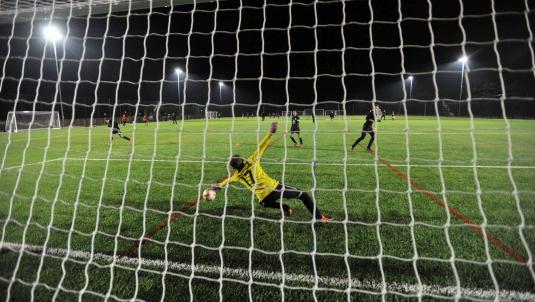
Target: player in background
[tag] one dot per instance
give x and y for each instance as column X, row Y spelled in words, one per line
column 367, row 127
column 269, row 191
column 117, row 130
column 173, row 118
column 124, row 119
column 393, row 115
column 331, row 115
column 296, row 130
column 378, row 113
column 145, row 120
column 383, row 114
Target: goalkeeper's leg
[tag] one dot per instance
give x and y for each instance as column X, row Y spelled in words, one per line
column 292, row 193
column 272, row 203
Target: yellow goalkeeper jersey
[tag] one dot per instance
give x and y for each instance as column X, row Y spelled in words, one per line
column 252, row 175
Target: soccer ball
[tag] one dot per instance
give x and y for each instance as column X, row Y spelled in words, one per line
column 208, row 194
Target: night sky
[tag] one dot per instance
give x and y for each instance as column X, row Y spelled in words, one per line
column 268, row 51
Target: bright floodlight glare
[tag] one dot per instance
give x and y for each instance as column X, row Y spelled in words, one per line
column 220, row 83
column 52, row 33
column 411, row 77
column 178, row 70
column 463, row 59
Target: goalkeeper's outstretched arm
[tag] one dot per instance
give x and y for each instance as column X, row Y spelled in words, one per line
column 257, row 155
column 222, row 183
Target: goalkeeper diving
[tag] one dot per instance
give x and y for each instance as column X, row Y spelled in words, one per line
column 269, row 191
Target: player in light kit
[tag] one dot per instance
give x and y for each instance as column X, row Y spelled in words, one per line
column 295, row 129
column 269, row 191
column 117, row 130
column 367, row 127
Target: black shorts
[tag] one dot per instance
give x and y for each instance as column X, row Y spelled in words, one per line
column 295, row 129
column 281, row 191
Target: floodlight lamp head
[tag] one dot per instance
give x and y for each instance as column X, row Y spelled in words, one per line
column 52, row 33
column 221, row 84
column 463, row 59
column 410, row 78
column 178, row 70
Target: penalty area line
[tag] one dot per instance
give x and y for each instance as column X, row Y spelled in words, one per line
column 243, row 275
column 33, row 164
column 275, row 162
column 476, row 228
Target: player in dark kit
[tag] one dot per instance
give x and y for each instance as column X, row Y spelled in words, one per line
column 331, row 115
column 117, row 130
column 367, row 128
column 295, row 129
column 269, row 191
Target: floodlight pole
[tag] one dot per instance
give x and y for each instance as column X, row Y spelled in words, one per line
column 461, row 90
column 220, row 86
column 178, row 71
column 52, row 34
column 410, row 89
column 178, row 86
column 59, row 83
column 410, row 78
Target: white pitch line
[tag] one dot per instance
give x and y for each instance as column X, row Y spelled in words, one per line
column 243, row 275
column 267, row 160
column 32, row 164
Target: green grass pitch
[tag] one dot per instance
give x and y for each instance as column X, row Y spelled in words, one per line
column 394, row 237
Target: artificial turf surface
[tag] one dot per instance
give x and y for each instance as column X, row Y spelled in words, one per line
column 81, row 201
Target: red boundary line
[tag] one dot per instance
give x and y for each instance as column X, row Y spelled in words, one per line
column 495, row 241
column 159, row 227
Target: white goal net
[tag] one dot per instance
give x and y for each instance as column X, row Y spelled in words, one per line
column 30, row 120
column 433, row 202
